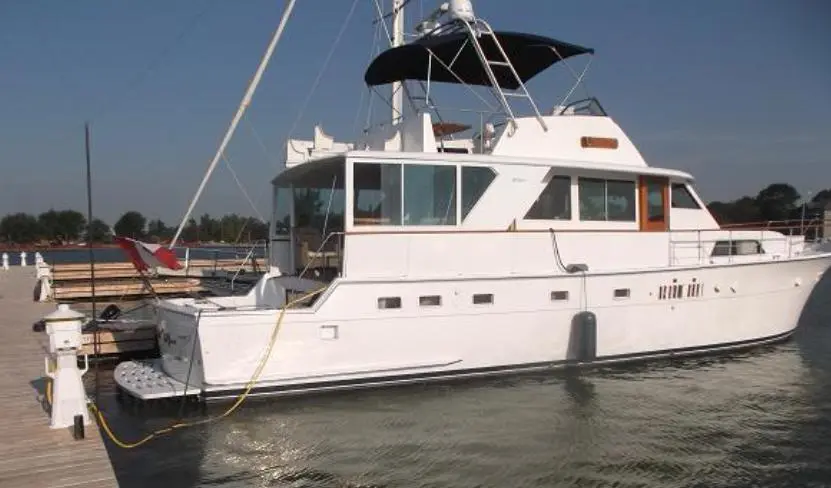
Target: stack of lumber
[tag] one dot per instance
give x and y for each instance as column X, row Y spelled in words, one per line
column 119, row 339
column 120, row 280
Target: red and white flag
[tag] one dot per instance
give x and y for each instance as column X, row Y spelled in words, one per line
column 145, row 256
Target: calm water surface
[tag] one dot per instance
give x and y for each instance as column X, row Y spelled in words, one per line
column 754, row 419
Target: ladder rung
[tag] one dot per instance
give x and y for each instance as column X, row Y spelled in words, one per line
column 499, row 63
column 518, row 95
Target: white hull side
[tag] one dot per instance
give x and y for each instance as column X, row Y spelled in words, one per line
column 522, row 329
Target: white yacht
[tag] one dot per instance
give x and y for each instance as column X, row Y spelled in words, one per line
column 542, row 240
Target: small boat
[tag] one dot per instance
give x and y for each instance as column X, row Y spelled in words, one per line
column 418, row 253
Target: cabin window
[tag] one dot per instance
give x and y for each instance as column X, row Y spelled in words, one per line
column 282, row 211
column 475, row 180
column 737, row 248
column 606, row 200
column 389, row 302
column 377, row 194
column 620, row 293
column 682, row 198
column 429, row 195
column 482, row 298
column 430, row 301
column 554, row 203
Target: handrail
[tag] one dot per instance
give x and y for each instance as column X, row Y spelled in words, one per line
column 318, row 252
column 768, row 223
column 248, row 256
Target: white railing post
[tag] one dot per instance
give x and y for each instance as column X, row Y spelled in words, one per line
column 730, row 249
column 700, row 251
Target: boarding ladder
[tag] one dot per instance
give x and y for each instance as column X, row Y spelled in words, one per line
column 483, row 28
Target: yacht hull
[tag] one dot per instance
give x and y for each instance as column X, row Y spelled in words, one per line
column 533, row 323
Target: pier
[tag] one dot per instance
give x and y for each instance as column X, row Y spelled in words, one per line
column 32, row 454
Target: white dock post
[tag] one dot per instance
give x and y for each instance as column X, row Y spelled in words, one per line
column 23, row 258
column 38, row 258
column 69, row 398
column 5, row 261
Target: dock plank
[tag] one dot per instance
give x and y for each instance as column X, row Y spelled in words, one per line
column 33, row 454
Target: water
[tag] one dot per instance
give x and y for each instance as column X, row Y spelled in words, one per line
column 116, row 254
column 760, row 418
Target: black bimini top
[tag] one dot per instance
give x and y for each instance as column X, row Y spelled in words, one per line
column 530, row 54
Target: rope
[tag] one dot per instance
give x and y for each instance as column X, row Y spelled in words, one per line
column 240, row 399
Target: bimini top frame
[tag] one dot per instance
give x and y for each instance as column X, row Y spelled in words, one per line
column 466, row 51
column 456, row 61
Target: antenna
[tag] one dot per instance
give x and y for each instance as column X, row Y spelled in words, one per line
column 397, row 40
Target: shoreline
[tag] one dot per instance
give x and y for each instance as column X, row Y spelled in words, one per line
column 31, row 248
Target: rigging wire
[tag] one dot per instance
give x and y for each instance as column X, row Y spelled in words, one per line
column 240, row 185
column 373, row 51
column 334, row 46
column 323, row 68
column 155, row 61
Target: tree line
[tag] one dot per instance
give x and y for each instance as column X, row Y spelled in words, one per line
column 778, row 201
column 59, row 227
column 775, row 202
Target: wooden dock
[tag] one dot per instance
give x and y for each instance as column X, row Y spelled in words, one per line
column 120, row 280
column 32, row 454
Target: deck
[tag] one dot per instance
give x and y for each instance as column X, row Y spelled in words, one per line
column 32, row 454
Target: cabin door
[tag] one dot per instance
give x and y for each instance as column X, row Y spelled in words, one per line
column 653, row 196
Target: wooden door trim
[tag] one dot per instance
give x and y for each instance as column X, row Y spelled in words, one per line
column 643, row 222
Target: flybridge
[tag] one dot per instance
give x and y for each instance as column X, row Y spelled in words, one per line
column 465, row 51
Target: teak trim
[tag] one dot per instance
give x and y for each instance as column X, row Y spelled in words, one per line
column 599, row 142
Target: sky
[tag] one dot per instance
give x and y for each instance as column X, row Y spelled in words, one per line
column 738, row 93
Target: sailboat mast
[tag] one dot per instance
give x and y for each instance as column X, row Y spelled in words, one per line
column 246, row 100
column 397, row 40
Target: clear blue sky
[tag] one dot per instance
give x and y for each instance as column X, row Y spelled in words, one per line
column 737, row 92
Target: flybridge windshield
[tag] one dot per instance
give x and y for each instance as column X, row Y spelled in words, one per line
column 314, row 193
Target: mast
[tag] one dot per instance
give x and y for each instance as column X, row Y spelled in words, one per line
column 397, row 40
column 246, row 100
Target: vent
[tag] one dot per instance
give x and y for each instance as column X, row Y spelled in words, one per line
column 559, row 296
column 622, row 293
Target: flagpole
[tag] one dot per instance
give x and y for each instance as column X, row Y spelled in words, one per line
column 95, row 338
column 246, row 100
column 89, row 219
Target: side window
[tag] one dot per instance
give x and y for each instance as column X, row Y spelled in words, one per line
column 377, row 194
column 606, row 200
column 620, row 200
column 740, row 247
column 554, row 203
column 682, row 198
column 429, row 195
column 592, row 198
column 475, row 180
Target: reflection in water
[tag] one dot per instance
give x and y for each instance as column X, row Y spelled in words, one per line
column 756, row 418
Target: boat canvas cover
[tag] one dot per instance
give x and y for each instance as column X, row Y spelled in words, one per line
column 528, row 53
